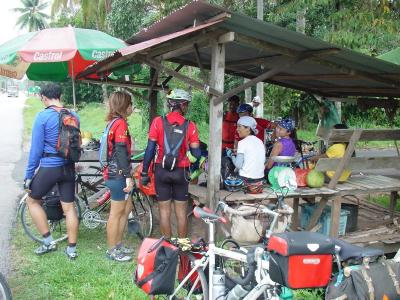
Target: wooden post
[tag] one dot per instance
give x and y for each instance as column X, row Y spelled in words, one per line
column 295, row 219
column 260, row 86
column 317, row 213
column 393, row 202
column 335, row 216
column 215, row 121
column 153, row 94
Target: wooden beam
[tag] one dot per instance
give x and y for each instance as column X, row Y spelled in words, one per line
column 199, row 63
column 393, row 202
column 335, row 216
column 322, row 77
column 204, row 87
column 123, row 84
column 215, row 121
column 345, row 159
column 359, row 163
column 177, row 69
column 250, row 61
column 344, row 135
column 317, row 213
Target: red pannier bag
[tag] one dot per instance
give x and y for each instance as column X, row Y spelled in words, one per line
column 150, row 189
column 301, row 259
column 156, row 267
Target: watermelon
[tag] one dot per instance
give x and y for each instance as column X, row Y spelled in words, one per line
column 315, row 179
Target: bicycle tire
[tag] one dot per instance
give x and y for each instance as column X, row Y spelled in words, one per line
column 183, row 293
column 142, row 213
column 32, row 232
column 5, row 291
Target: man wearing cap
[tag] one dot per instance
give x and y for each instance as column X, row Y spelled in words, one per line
column 229, row 123
column 174, row 136
column 255, row 103
column 262, row 124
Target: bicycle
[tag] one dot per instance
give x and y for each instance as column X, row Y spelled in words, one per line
column 194, row 284
column 140, row 220
column 5, row 291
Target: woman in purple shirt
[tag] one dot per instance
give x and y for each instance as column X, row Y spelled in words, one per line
column 284, row 146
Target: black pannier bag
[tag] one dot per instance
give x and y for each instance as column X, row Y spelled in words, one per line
column 378, row 280
column 301, row 259
column 156, row 267
column 52, row 205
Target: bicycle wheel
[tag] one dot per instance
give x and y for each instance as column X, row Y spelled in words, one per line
column 57, row 228
column 141, row 217
column 187, row 291
column 5, row 291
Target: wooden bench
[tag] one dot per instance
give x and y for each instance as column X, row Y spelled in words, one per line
column 357, row 184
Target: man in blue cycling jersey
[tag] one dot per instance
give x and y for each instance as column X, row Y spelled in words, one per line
column 46, row 169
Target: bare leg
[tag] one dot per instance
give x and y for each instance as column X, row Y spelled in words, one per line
column 181, row 217
column 38, row 215
column 113, row 224
column 165, row 218
column 124, row 219
column 71, row 219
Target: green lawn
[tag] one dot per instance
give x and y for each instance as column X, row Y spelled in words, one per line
column 53, row 276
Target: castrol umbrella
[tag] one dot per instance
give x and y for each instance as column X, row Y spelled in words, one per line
column 55, row 54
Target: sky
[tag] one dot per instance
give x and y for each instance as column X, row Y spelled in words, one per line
column 8, row 18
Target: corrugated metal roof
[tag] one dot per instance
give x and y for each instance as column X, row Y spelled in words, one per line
column 259, row 47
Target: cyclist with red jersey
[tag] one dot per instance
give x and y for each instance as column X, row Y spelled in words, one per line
column 117, row 175
column 229, row 123
column 173, row 136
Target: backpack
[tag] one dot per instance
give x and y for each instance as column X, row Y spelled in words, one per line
column 174, row 136
column 103, row 150
column 69, row 135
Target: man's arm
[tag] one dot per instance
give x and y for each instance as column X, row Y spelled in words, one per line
column 37, row 147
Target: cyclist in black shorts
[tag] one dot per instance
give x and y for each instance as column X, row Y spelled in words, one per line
column 45, row 169
column 174, row 136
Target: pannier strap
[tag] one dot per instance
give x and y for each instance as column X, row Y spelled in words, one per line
column 157, row 271
column 394, row 279
column 368, row 280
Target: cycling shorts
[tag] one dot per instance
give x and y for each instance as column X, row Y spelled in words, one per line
column 171, row 185
column 116, row 186
column 47, row 177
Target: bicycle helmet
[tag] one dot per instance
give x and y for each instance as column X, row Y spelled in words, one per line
column 245, row 108
column 233, row 184
column 178, row 95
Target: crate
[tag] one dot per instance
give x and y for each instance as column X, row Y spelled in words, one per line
column 307, row 210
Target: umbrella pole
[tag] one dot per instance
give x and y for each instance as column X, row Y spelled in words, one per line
column 73, row 85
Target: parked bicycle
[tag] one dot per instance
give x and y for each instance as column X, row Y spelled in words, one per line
column 5, row 291
column 89, row 192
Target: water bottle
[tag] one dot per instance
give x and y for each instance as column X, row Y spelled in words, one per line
column 237, row 293
column 103, row 199
column 218, row 281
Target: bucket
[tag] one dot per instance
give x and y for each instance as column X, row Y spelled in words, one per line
column 352, row 218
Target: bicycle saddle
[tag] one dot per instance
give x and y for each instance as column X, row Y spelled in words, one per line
column 348, row 251
column 206, row 213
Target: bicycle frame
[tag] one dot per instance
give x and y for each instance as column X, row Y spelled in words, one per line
column 261, row 273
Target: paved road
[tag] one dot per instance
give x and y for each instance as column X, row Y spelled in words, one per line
column 11, row 126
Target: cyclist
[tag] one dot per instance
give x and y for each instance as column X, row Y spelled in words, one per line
column 51, row 169
column 117, row 175
column 229, row 123
column 174, row 136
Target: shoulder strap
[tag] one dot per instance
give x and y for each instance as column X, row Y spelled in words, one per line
column 109, row 125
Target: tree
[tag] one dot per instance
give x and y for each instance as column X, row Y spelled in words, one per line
column 92, row 11
column 32, row 16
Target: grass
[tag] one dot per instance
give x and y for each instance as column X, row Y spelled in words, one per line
column 53, row 276
column 382, row 200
